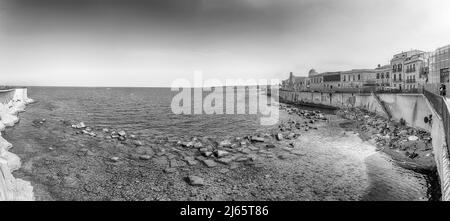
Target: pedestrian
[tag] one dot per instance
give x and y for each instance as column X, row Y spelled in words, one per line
column 443, row 90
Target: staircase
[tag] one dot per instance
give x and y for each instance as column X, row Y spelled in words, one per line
column 382, row 105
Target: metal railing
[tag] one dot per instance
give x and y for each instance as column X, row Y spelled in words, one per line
column 440, row 106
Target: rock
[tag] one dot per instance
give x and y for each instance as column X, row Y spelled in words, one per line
column 279, row 137
column 209, row 163
column 270, row 145
column 220, row 153
column 187, row 144
column 122, row 133
column 121, row 138
column 224, row 160
column 195, row 181
column 242, row 159
column 413, row 138
column 137, row 143
column 190, row 161
column 132, row 136
column 80, row 125
column 253, row 148
column 207, row 153
column 225, row 143
column 170, row 170
column 257, row 139
column 224, row 170
column 105, row 130
column 114, row 159
column 145, row 157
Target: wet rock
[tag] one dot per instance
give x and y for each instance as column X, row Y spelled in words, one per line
column 122, row 133
column 195, row 181
column 80, row 125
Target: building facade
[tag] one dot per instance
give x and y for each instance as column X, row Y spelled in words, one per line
column 415, row 69
column 383, row 77
column 439, row 64
column 398, row 70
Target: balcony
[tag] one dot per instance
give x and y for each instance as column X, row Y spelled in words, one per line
column 411, row 81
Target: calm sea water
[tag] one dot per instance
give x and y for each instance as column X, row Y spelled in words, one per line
column 146, row 111
column 335, row 162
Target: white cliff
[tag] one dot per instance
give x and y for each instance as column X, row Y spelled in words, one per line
column 12, row 102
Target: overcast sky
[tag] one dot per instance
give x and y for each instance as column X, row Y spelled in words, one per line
column 152, row 43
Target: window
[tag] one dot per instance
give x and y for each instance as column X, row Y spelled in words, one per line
column 359, row 77
column 387, row 74
column 378, row 75
column 382, row 75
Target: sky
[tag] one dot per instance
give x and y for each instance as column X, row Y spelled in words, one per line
column 152, row 43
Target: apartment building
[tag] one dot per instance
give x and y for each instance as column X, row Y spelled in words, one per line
column 383, row 77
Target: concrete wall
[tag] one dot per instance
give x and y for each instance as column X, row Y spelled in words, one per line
column 366, row 101
column 413, row 108
column 11, row 103
column 440, row 152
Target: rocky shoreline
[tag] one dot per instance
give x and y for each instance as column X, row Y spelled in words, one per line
column 86, row 162
column 71, row 160
column 409, row 147
column 11, row 188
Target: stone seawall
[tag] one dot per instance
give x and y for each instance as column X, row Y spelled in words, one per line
column 412, row 108
column 12, row 102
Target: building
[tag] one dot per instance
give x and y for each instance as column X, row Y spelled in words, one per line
column 416, row 71
column 439, row 64
column 398, row 70
column 358, row 78
column 314, row 81
column 295, row 83
column 383, row 78
column 331, row 80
